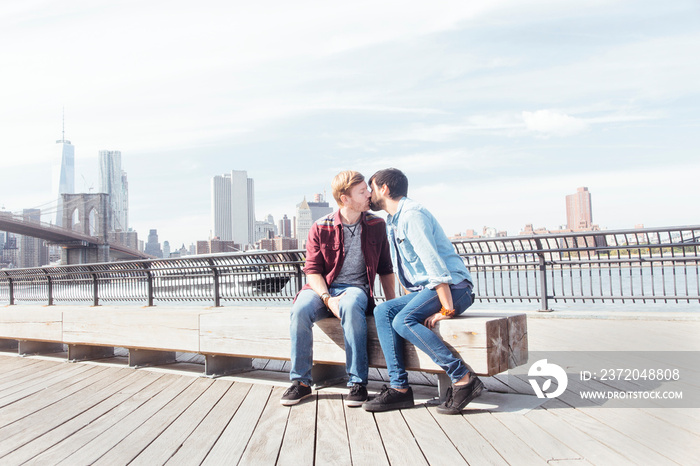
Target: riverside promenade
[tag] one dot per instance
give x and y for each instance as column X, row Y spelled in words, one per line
column 102, row 412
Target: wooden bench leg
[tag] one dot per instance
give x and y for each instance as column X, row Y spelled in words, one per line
column 8, row 345
column 29, row 347
column 218, row 366
column 86, row 352
column 144, row 358
column 517, row 340
column 325, row 375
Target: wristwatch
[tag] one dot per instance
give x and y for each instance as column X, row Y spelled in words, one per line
column 325, row 297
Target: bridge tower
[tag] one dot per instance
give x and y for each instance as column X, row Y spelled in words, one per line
column 88, row 214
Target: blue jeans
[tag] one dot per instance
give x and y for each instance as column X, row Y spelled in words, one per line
column 402, row 318
column 307, row 309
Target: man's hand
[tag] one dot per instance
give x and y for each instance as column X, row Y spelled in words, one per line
column 434, row 319
column 334, row 304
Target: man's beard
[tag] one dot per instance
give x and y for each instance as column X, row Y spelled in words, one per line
column 376, row 205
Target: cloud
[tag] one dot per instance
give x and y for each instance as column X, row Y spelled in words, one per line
column 549, row 123
column 542, row 123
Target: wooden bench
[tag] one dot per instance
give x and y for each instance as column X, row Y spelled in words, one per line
column 230, row 337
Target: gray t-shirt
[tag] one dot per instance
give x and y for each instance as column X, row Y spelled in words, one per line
column 354, row 271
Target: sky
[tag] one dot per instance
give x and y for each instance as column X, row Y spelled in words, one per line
column 494, row 110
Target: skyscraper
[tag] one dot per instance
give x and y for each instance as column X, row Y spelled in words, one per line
column 153, row 246
column 304, row 221
column 63, row 173
column 319, row 207
column 578, row 210
column 285, row 227
column 113, row 182
column 265, row 229
column 233, row 207
column 9, row 255
column 309, row 212
column 243, row 224
column 33, row 252
column 221, row 207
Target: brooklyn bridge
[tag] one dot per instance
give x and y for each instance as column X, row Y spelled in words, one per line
column 86, row 238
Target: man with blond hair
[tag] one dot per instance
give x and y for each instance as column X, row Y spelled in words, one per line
column 345, row 251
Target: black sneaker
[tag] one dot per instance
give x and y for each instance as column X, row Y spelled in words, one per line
column 389, row 399
column 357, row 396
column 459, row 396
column 295, row 394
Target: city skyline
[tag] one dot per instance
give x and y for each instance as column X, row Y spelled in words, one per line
column 576, row 206
column 494, row 111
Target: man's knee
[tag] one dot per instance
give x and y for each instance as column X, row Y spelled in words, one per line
column 399, row 325
column 354, row 303
column 354, row 320
column 354, row 296
column 381, row 310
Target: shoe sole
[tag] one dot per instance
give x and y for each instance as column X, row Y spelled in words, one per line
column 293, row 402
column 355, row 403
column 456, row 410
column 379, row 408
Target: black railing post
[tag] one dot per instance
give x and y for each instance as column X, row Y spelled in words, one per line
column 50, row 287
column 149, row 283
column 95, row 296
column 297, row 265
column 215, row 275
column 12, row 291
column 300, row 277
column 544, row 304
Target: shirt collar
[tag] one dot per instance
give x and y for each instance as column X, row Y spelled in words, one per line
column 394, row 218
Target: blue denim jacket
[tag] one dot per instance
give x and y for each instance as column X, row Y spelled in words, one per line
column 426, row 257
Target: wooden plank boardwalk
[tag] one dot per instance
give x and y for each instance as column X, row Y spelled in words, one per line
column 101, row 412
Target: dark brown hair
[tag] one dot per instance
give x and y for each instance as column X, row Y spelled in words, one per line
column 394, row 179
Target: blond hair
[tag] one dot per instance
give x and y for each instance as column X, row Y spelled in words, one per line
column 343, row 183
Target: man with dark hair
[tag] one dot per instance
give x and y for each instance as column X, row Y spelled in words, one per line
column 344, row 253
column 439, row 287
column 395, row 181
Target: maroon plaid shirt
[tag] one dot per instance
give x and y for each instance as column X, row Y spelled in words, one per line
column 325, row 251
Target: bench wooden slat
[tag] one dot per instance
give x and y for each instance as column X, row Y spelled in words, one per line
column 167, row 328
column 31, row 323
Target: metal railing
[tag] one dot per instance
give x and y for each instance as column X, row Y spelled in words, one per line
column 646, row 265
column 256, row 276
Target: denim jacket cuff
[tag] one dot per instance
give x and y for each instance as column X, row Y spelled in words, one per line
column 438, row 281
